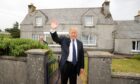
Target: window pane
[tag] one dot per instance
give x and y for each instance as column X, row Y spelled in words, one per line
column 88, row 39
column 133, row 45
column 138, row 45
column 85, row 39
column 92, row 39
column 39, row 21
column 49, row 39
column 89, row 21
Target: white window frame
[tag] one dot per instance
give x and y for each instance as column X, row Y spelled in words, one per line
column 59, row 34
column 88, row 21
column 89, row 40
column 38, row 21
column 137, row 46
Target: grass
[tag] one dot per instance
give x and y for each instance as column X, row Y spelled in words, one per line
column 131, row 65
column 122, row 65
column 126, row 65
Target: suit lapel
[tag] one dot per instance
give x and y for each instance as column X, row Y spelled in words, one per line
column 68, row 44
column 77, row 47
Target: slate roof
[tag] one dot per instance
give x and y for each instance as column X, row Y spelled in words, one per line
column 71, row 15
column 127, row 29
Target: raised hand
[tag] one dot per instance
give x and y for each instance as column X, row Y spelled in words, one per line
column 54, row 24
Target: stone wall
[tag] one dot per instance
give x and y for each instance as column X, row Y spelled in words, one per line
column 12, row 70
column 125, row 78
column 32, row 69
column 27, row 70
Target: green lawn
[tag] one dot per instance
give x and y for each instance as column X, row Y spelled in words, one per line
column 126, row 65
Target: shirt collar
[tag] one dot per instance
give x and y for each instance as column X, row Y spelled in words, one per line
column 73, row 40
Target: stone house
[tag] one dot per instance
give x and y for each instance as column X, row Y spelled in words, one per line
column 96, row 27
column 127, row 36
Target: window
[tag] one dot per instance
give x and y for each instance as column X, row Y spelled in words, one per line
column 88, row 39
column 49, row 39
column 136, row 45
column 35, row 37
column 88, row 21
column 38, row 21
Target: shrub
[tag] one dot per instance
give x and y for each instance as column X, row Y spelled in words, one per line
column 2, row 36
column 17, row 47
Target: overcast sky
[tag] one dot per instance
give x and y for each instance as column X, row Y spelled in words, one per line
column 15, row 10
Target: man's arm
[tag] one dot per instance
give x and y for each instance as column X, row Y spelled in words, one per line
column 82, row 60
column 54, row 35
column 82, row 57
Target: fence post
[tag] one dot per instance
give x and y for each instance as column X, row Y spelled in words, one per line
column 99, row 67
column 36, row 66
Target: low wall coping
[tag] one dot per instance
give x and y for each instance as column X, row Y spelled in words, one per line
column 37, row 51
column 126, row 75
column 23, row 59
column 99, row 54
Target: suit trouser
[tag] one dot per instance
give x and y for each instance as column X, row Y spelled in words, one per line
column 69, row 72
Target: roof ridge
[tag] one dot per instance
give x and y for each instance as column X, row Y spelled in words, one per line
column 70, row 8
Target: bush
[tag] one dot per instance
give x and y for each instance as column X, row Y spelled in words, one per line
column 4, row 43
column 17, row 47
column 2, row 36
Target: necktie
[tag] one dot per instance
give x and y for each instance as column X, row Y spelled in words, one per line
column 74, row 54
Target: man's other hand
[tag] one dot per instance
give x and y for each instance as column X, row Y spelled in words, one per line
column 82, row 71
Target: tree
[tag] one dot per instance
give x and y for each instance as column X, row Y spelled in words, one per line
column 0, row 30
column 15, row 32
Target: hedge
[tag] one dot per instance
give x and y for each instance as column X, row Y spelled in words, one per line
column 17, row 47
column 2, row 36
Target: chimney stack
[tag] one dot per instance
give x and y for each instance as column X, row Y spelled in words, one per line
column 139, row 12
column 31, row 8
column 105, row 9
column 137, row 17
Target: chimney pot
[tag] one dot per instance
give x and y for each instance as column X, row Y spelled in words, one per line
column 137, row 17
column 139, row 12
column 105, row 8
column 31, row 8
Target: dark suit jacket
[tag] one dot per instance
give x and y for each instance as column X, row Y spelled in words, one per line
column 65, row 43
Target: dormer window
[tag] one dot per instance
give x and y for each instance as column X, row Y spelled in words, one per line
column 38, row 21
column 88, row 21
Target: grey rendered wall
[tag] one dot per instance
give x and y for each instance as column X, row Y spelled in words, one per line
column 28, row 28
column 26, row 31
column 105, row 37
column 12, row 72
column 123, row 46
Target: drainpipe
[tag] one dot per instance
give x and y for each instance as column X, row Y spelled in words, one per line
column 113, row 36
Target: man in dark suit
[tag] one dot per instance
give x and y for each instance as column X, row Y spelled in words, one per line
column 72, row 59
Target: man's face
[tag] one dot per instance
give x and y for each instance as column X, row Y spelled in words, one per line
column 73, row 33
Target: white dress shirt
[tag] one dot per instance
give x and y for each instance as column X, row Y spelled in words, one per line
column 70, row 56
